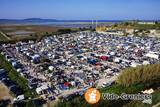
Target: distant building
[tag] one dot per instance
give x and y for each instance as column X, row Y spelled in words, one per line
column 112, row 32
column 129, row 31
column 146, row 23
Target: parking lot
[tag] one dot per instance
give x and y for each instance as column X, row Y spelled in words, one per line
column 70, row 62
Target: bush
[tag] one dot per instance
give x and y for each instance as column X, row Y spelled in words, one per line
column 144, row 74
column 63, row 31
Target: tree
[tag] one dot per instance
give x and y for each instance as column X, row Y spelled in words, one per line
column 31, row 103
column 63, row 31
column 156, row 22
column 126, row 23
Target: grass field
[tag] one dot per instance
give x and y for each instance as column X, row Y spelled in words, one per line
column 14, row 31
column 33, row 28
column 25, row 32
column 137, row 26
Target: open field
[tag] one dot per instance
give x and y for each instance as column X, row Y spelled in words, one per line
column 13, row 33
column 129, row 25
column 31, row 28
column 25, row 30
column 3, row 36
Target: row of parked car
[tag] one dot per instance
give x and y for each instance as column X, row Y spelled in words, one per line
column 13, row 87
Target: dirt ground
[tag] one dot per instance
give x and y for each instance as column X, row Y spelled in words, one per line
column 32, row 28
column 4, row 93
column 25, row 31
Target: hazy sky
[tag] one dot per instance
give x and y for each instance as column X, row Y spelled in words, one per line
column 80, row 9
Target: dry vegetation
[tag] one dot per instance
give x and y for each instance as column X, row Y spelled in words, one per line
column 141, row 74
column 32, row 28
column 4, row 92
column 25, row 31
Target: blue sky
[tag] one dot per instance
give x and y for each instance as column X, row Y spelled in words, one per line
column 80, row 9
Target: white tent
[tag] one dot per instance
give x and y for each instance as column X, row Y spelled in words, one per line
column 40, row 89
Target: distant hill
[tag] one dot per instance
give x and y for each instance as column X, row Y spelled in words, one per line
column 29, row 20
column 39, row 20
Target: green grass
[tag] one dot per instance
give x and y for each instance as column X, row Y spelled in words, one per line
column 155, row 100
column 119, row 89
column 156, row 97
column 147, row 26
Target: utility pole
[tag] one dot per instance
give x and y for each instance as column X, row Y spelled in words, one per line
column 96, row 23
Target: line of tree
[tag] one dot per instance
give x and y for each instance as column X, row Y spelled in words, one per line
column 16, row 77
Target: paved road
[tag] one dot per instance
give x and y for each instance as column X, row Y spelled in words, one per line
column 157, row 105
column 5, row 35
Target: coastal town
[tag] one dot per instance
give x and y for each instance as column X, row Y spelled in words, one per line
column 66, row 65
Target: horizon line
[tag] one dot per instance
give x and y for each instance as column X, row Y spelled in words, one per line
column 80, row 19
